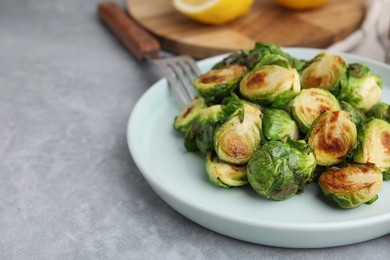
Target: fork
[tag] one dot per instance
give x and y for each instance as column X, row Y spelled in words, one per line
column 180, row 71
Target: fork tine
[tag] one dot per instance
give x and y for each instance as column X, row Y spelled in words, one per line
column 185, row 77
column 193, row 66
column 170, row 75
column 180, row 72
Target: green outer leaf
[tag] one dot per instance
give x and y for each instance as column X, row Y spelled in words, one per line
column 278, row 125
column 217, row 92
column 188, row 114
column 343, row 201
column 283, row 99
column 381, row 111
column 258, row 55
column 205, row 125
column 357, row 115
column 351, row 89
column 279, row 170
column 275, row 181
column 386, row 175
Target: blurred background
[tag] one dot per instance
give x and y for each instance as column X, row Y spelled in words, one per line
column 69, row 187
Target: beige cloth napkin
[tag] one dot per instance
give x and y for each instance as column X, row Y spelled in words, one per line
column 372, row 39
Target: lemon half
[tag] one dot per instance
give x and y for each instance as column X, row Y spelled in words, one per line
column 213, row 11
column 301, row 4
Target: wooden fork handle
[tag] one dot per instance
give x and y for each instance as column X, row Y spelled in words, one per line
column 135, row 38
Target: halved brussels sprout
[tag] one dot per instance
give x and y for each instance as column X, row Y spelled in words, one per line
column 264, row 84
column 200, row 136
column 324, row 71
column 278, row 125
column 351, row 185
column 224, row 174
column 374, row 145
column 333, row 136
column 188, row 114
column 219, row 83
column 381, row 111
column 236, row 140
column 357, row 115
column 278, row 170
column 362, row 89
column 311, row 103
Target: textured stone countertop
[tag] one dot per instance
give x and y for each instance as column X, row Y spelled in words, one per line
column 69, row 188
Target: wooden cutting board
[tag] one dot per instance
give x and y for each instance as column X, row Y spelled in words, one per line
column 266, row 22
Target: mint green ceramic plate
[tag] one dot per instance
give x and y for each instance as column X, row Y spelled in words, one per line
column 179, row 178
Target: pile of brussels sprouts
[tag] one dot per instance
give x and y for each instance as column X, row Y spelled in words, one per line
column 279, row 123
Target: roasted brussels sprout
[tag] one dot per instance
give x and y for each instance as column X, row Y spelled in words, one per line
column 362, row 89
column 238, row 138
column 262, row 50
column 374, row 145
column 278, row 125
column 279, row 170
column 200, row 135
column 381, row 111
column 333, row 136
column 188, row 114
column 264, row 84
column 224, row 174
column 351, row 185
column 311, row 103
column 357, row 115
column 261, row 54
column 219, row 83
column 324, row 71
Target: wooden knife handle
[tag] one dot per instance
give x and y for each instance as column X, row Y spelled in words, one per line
column 136, row 39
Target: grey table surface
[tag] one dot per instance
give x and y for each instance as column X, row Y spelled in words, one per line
column 69, row 188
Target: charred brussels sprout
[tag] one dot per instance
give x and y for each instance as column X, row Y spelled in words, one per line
column 265, row 84
column 278, row 125
column 333, row 136
column 324, row 71
column 381, row 111
column 362, row 89
column 219, row 83
column 200, row 136
column 188, row 114
column 238, row 138
column 224, row 174
column 374, row 145
column 278, row 170
column 351, row 185
column 311, row 103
